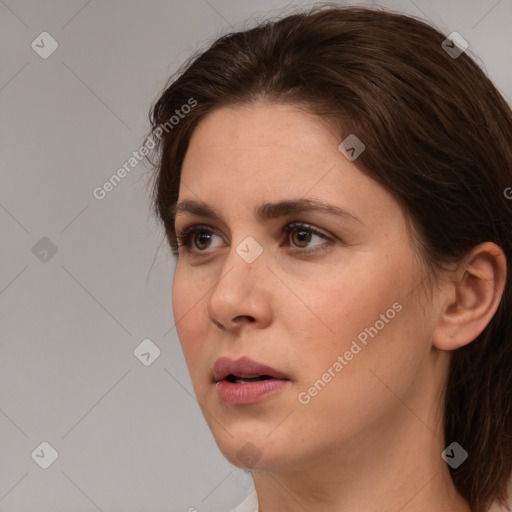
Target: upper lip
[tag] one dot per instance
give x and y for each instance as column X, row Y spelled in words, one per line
column 243, row 367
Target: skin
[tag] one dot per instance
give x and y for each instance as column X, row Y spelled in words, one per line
column 373, row 435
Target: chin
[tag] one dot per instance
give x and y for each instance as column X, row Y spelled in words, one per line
column 250, row 450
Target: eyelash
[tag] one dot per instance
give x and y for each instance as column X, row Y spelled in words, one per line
column 184, row 238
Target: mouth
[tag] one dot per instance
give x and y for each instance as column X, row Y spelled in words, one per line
column 247, row 379
column 244, row 370
column 245, row 382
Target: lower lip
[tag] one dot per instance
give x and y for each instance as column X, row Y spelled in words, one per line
column 232, row 393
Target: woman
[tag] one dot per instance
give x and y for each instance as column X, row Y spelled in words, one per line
column 334, row 188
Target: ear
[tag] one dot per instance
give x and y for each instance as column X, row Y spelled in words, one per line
column 471, row 300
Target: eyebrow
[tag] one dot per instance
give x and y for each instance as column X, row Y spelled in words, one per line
column 265, row 211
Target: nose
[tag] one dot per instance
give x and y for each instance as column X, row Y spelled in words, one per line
column 243, row 293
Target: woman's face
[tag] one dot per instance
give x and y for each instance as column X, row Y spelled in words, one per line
column 339, row 316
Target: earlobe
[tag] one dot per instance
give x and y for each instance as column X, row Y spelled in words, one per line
column 468, row 305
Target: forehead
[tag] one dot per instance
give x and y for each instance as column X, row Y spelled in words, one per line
column 272, row 142
column 261, row 125
column 241, row 157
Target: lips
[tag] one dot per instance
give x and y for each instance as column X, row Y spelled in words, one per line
column 244, row 369
column 246, row 382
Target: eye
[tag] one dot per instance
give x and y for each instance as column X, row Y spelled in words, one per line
column 299, row 233
column 305, row 233
column 195, row 233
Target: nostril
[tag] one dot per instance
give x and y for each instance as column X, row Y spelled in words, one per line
column 249, row 318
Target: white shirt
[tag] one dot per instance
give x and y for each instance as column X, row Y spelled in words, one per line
column 250, row 504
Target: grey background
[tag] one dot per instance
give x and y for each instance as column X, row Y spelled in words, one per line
column 129, row 437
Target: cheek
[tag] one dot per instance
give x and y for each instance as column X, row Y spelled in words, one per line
column 363, row 393
column 190, row 317
column 368, row 312
column 381, row 335
column 340, row 308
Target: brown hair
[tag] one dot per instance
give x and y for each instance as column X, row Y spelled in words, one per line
column 438, row 136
